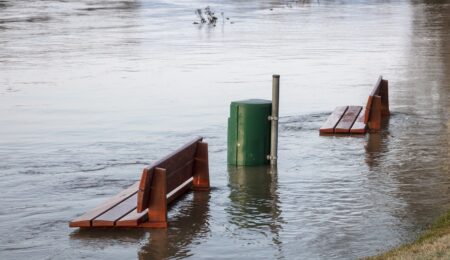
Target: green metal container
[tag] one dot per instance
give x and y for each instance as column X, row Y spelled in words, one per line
column 249, row 132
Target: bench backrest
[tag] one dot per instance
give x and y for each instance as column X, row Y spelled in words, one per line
column 380, row 90
column 178, row 165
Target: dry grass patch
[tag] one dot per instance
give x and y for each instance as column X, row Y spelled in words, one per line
column 432, row 244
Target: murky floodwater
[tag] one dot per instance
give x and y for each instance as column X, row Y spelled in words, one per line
column 91, row 91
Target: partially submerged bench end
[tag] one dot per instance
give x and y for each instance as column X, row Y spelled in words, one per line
column 377, row 105
column 170, row 178
column 355, row 119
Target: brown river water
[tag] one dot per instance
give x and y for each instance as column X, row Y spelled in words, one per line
column 91, row 91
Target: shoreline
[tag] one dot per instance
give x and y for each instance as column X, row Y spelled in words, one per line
column 433, row 243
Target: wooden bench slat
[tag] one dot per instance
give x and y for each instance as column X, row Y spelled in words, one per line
column 110, row 217
column 133, row 219
column 178, row 158
column 359, row 127
column 179, row 176
column 384, row 94
column 333, row 120
column 348, row 119
column 376, row 88
column 174, row 194
column 367, row 109
column 144, row 192
column 85, row 219
column 375, row 92
column 201, row 168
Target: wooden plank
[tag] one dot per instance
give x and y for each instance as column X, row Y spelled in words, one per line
column 359, row 127
column 157, row 207
column 177, row 192
column 86, row 219
column 375, row 114
column 109, row 218
column 347, row 120
column 144, row 192
column 367, row 110
column 179, row 176
column 179, row 157
column 384, row 94
column 133, row 219
column 375, row 91
column 333, row 120
column 376, row 87
column 201, row 168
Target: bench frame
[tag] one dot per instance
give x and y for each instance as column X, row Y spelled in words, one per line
column 161, row 184
column 377, row 105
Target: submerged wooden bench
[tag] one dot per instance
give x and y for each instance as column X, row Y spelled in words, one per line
column 357, row 119
column 144, row 204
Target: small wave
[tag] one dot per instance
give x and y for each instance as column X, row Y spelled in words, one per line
column 292, row 128
column 89, row 183
column 38, row 19
column 31, row 172
column 102, row 167
column 218, row 150
column 302, row 122
column 16, row 248
column 314, row 117
column 4, row 4
column 32, row 19
column 123, row 5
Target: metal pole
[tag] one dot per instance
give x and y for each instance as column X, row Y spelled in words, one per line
column 274, row 119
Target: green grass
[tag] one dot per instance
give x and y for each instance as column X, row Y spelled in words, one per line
column 434, row 243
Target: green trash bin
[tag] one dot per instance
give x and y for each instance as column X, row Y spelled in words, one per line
column 249, row 132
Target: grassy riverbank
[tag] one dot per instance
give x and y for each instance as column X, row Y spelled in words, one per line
column 432, row 244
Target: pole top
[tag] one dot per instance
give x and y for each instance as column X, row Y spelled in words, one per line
column 276, row 76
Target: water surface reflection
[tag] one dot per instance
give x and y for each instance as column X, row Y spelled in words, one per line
column 255, row 201
column 377, row 145
column 189, row 224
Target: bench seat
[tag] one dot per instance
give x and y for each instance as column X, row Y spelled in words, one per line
column 345, row 120
column 86, row 219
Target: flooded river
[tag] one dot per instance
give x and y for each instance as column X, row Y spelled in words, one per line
column 91, row 91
